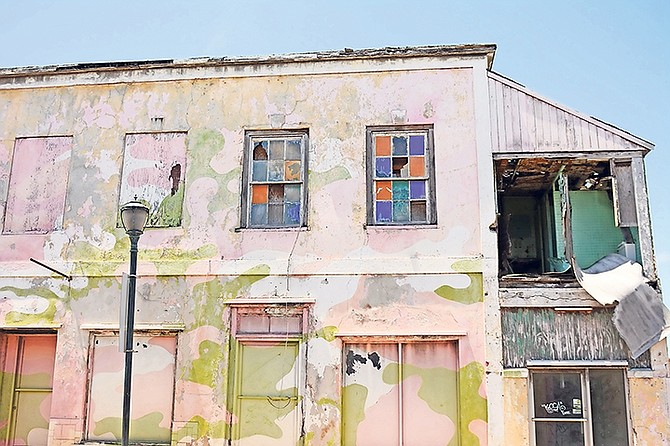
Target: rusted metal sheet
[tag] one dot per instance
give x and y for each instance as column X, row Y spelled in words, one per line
column 154, row 167
column 547, row 334
column 522, row 121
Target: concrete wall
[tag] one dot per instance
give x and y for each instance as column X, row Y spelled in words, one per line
column 357, row 282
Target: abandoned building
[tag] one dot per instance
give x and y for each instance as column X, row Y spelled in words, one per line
column 380, row 247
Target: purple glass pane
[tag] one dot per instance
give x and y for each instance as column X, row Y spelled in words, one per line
column 416, row 145
column 383, row 167
column 384, row 211
column 292, row 214
column 400, row 211
column 417, row 189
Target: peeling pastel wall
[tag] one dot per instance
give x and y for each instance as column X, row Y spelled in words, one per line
column 127, row 138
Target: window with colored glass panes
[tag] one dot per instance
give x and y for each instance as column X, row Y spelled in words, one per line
column 401, row 167
column 276, row 195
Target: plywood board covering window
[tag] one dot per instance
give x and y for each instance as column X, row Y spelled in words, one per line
column 38, row 185
column 267, row 382
column 151, row 390
column 400, row 394
column 25, row 388
column 154, row 169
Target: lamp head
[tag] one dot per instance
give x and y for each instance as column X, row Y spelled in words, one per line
column 134, row 216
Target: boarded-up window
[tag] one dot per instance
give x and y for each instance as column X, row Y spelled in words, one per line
column 151, row 389
column 38, row 184
column 400, row 394
column 154, row 165
column 268, row 377
column 25, row 388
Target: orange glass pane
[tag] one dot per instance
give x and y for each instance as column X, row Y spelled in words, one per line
column 383, row 190
column 417, row 166
column 259, row 193
column 292, row 170
column 383, row 146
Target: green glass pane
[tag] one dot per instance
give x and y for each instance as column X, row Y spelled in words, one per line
column 400, row 190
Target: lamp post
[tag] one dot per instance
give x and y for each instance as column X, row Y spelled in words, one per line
column 134, row 216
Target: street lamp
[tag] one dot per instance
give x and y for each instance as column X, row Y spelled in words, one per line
column 134, row 215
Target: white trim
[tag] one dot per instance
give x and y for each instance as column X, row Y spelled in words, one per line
column 138, row 327
column 270, row 301
column 533, row 363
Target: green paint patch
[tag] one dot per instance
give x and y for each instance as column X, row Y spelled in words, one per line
column 197, row 427
column 438, row 389
column 467, row 265
column 260, row 398
column 168, row 213
column 317, row 180
column 473, row 406
column 328, row 402
column 328, row 333
column 470, row 295
column 353, row 411
column 206, row 369
column 146, row 428
column 208, row 296
column 18, row 318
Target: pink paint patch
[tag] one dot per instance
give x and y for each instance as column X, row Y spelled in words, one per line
column 422, row 425
column 480, row 429
column 380, row 426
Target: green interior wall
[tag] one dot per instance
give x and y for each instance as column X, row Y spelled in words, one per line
column 594, row 232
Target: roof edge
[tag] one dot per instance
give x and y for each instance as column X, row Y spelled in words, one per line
column 462, row 50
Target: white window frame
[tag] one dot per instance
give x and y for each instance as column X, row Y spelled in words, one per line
column 587, row 417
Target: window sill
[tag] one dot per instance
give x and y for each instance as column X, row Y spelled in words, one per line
column 286, row 229
column 400, row 227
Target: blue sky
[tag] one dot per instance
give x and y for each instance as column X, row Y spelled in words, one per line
column 605, row 58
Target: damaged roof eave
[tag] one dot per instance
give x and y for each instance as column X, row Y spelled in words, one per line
column 567, row 120
column 438, row 51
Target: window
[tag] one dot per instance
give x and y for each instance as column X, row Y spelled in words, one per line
column 154, row 165
column 401, row 183
column 580, row 407
column 408, row 388
column 151, row 388
column 275, row 194
column 268, row 376
column 25, row 388
column 38, row 184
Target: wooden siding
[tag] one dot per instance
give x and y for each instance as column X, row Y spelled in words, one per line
column 522, row 121
column 546, row 334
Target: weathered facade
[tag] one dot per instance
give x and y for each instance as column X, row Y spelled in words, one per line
column 366, row 247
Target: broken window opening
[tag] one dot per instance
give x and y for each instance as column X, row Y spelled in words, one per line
column 532, row 238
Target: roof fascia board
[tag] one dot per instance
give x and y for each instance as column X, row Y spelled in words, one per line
column 387, row 53
column 590, row 119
